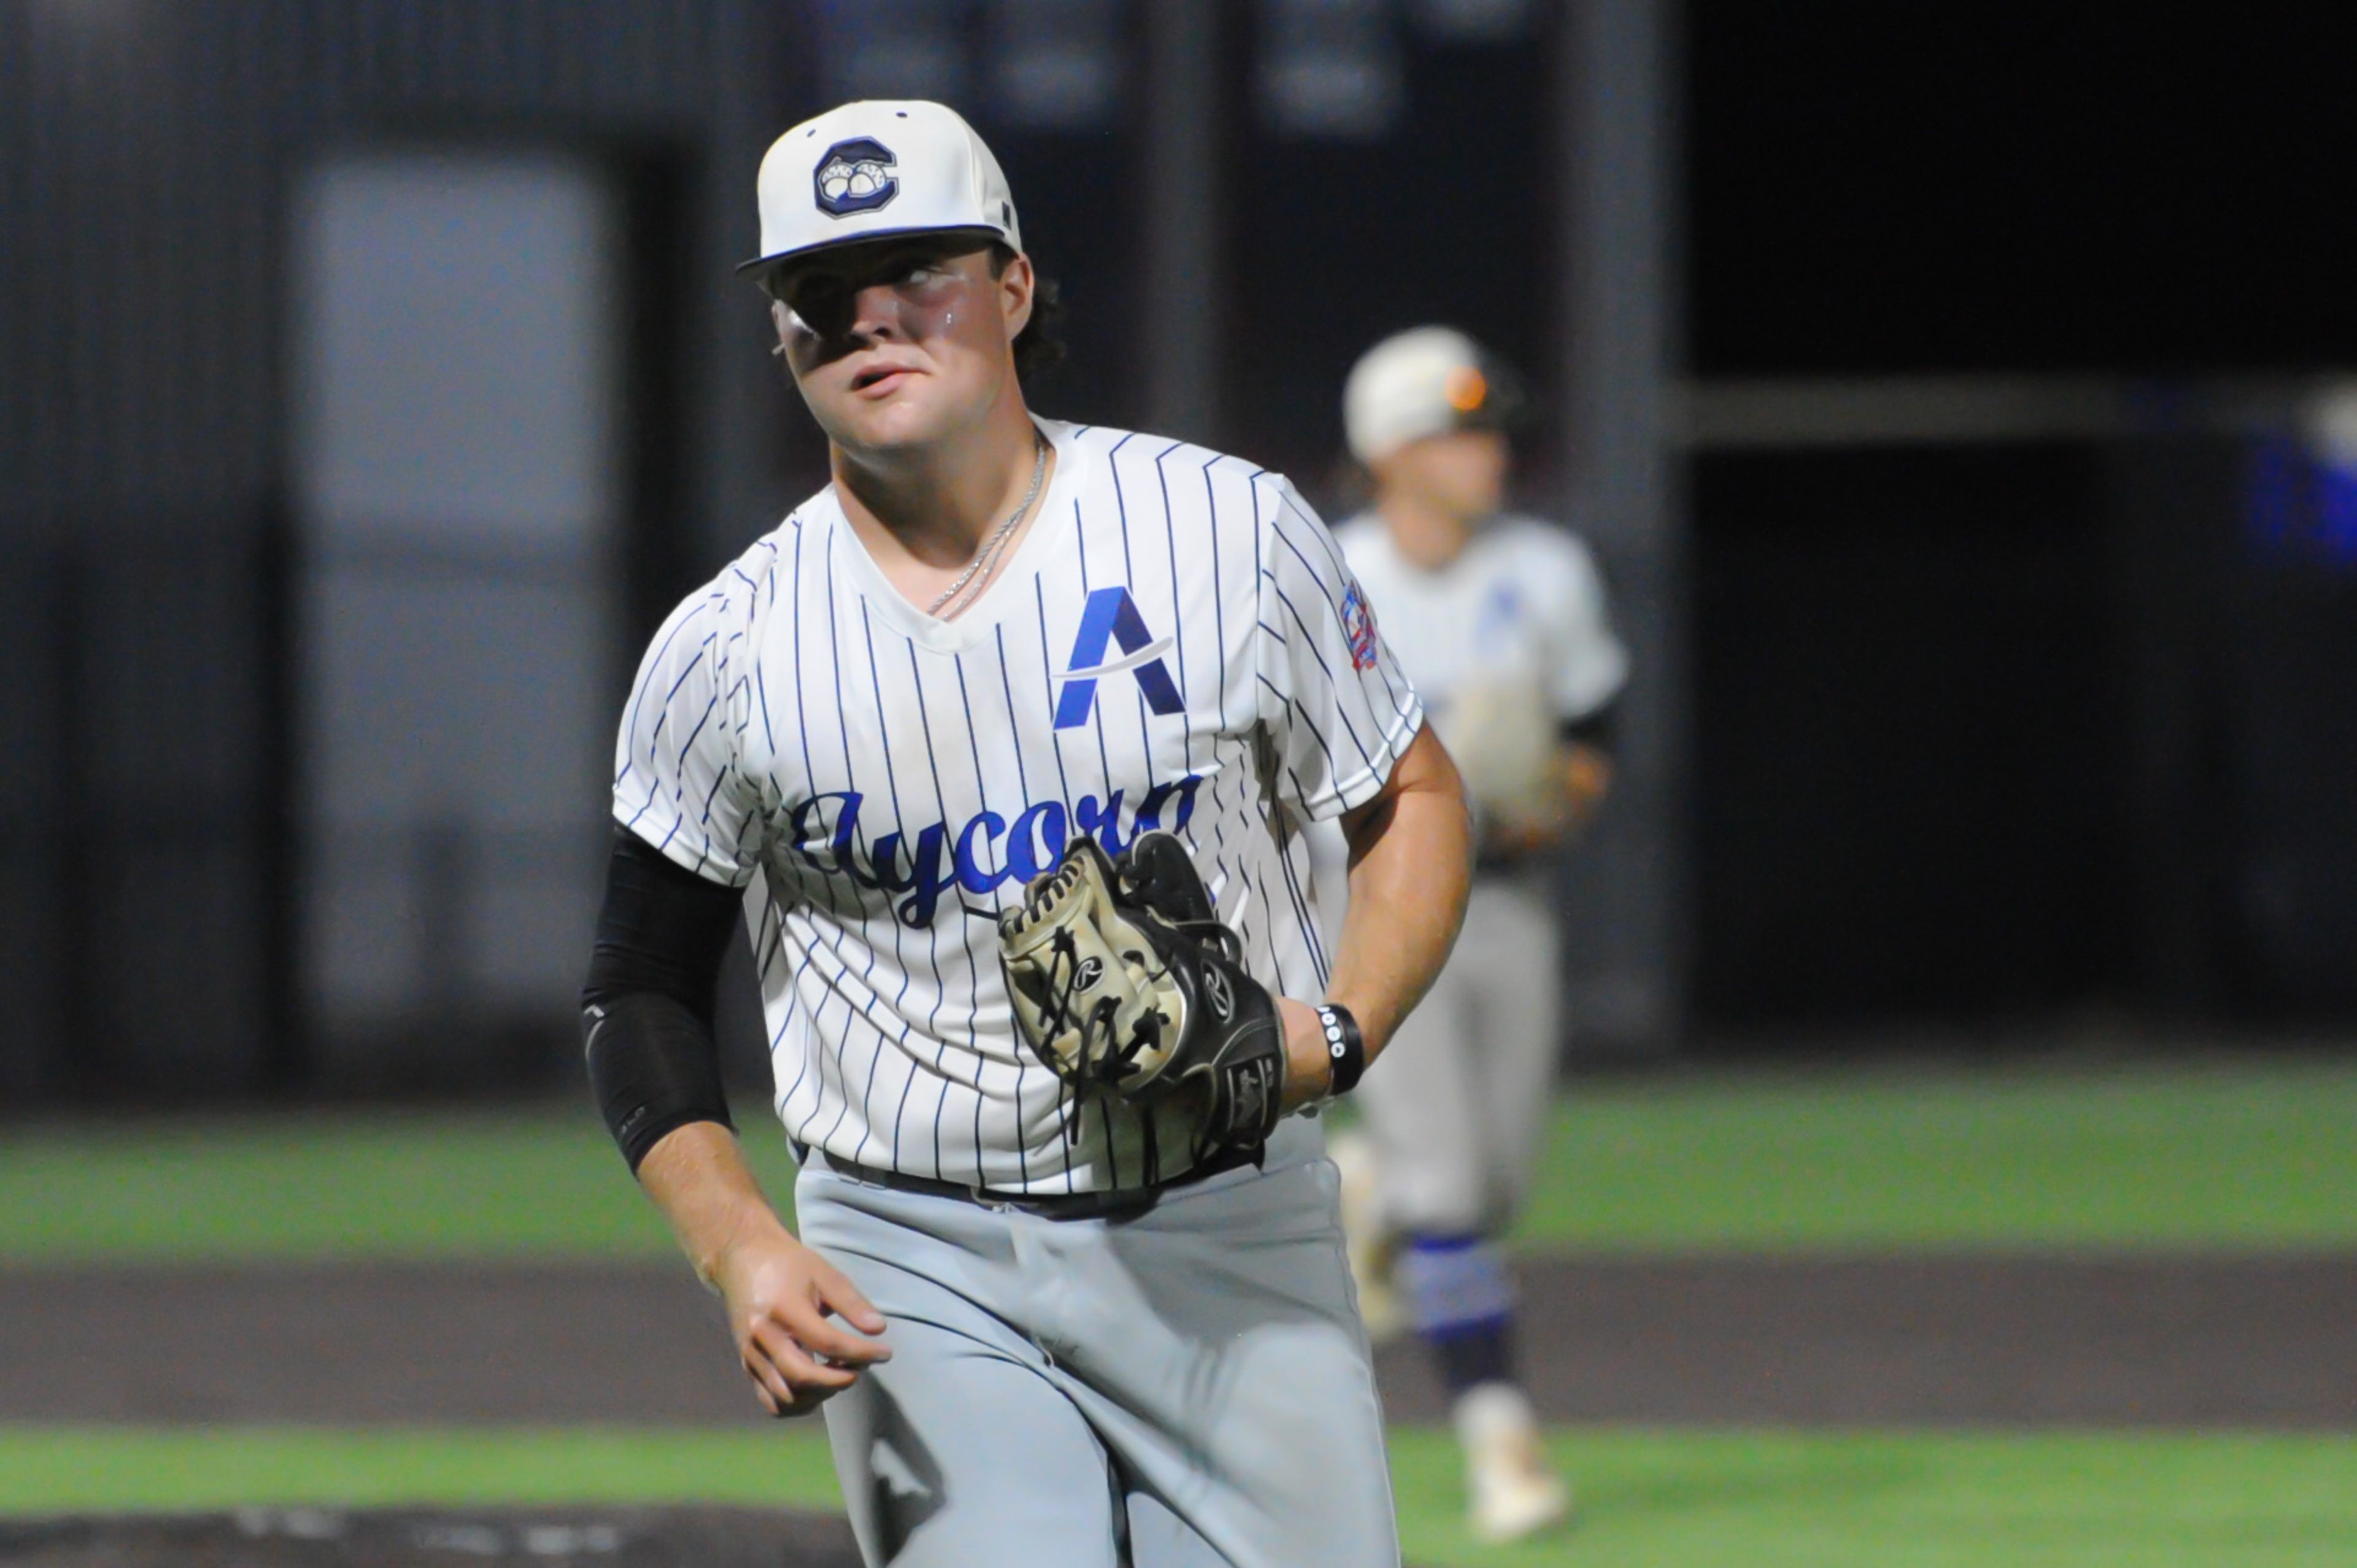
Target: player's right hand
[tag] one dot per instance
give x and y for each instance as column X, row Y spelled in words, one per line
column 793, row 1316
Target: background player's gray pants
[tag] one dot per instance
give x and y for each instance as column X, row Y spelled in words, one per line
column 1195, row 1380
column 1458, row 1099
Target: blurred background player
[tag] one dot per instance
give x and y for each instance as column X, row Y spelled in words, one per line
column 1500, row 621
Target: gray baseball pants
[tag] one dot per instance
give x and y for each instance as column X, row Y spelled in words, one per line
column 1186, row 1388
column 1458, row 1099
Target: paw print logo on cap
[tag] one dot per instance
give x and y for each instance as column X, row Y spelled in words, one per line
column 854, row 177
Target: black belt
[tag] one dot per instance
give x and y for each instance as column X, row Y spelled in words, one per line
column 1120, row 1203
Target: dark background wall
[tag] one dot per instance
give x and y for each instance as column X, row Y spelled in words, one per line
column 1451, row 215
column 1907, row 776
column 150, row 154
column 2014, row 729
column 2015, row 185
column 1978, row 729
column 146, row 156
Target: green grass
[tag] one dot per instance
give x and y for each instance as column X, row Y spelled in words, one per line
column 1792, row 1501
column 528, row 1181
column 1758, row 1500
column 2184, row 1157
column 2249, row 1157
column 75, row 1469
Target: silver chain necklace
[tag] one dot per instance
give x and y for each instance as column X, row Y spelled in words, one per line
column 990, row 548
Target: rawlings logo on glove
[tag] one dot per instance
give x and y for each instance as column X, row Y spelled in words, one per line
column 1124, row 982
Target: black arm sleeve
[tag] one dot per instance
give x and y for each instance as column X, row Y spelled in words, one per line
column 1599, row 730
column 646, row 1009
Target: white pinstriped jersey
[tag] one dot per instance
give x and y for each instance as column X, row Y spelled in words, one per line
column 1175, row 643
column 1524, row 597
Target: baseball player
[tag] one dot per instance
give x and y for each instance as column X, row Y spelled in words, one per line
column 1005, row 744
column 1499, row 620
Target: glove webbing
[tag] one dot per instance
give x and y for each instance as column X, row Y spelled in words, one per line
column 1092, row 1069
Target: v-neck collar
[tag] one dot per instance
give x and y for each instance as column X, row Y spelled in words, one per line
column 1054, row 527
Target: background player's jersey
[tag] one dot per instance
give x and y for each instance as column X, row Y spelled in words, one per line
column 1175, row 643
column 1523, row 598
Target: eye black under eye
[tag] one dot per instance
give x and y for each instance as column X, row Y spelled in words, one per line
column 816, row 296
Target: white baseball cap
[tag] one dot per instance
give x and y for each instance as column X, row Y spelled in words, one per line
column 1425, row 381
column 874, row 169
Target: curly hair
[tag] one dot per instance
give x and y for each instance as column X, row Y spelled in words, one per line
column 1037, row 346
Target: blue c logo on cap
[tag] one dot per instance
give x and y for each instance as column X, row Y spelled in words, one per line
column 854, row 177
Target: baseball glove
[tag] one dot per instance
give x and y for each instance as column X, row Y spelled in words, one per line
column 1124, row 982
column 1502, row 733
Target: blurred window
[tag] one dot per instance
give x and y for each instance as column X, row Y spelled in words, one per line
column 895, row 48
column 1471, row 21
column 1328, row 70
column 1333, row 242
column 456, row 490
column 1056, row 65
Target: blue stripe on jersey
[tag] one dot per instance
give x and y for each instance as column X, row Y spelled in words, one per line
column 965, row 940
column 1022, row 781
column 1309, row 640
column 1301, row 911
column 973, row 1023
column 1064, row 1099
column 1121, row 505
column 932, row 944
column 814, row 945
column 834, row 658
column 774, row 898
column 1219, row 593
column 828, row 985
column 1259, row 907
column 1105, row 762
column 1219, row 638
column 654, row 663
column 801, row 679
column 1256, row 799
column 1007, row 684
column 1168, row 696
column 1152, row 678
column 1342, row 574
column 843, row 730
column 1178, row 617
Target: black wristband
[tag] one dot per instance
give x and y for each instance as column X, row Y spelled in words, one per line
column 1346, row 1048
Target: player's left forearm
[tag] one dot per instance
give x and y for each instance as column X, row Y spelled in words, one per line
column 1411, row 867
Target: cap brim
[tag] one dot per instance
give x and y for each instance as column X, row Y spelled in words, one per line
column 761, row 268
column 1508, row 406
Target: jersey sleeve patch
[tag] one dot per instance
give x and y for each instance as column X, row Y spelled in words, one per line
column 1340, row 709
column 1359, row 625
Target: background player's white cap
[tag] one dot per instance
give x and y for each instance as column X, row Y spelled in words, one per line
column 877, row 169
column 1424, row 382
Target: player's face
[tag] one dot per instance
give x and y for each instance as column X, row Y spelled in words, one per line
column 1462, row 473
column 904, row 343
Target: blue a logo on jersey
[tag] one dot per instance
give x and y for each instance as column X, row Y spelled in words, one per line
column 854, row 177
column 1110, row 616
column 1501, row 615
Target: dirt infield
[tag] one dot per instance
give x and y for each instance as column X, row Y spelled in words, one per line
column 1969, row 1341
column 314, row 1538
